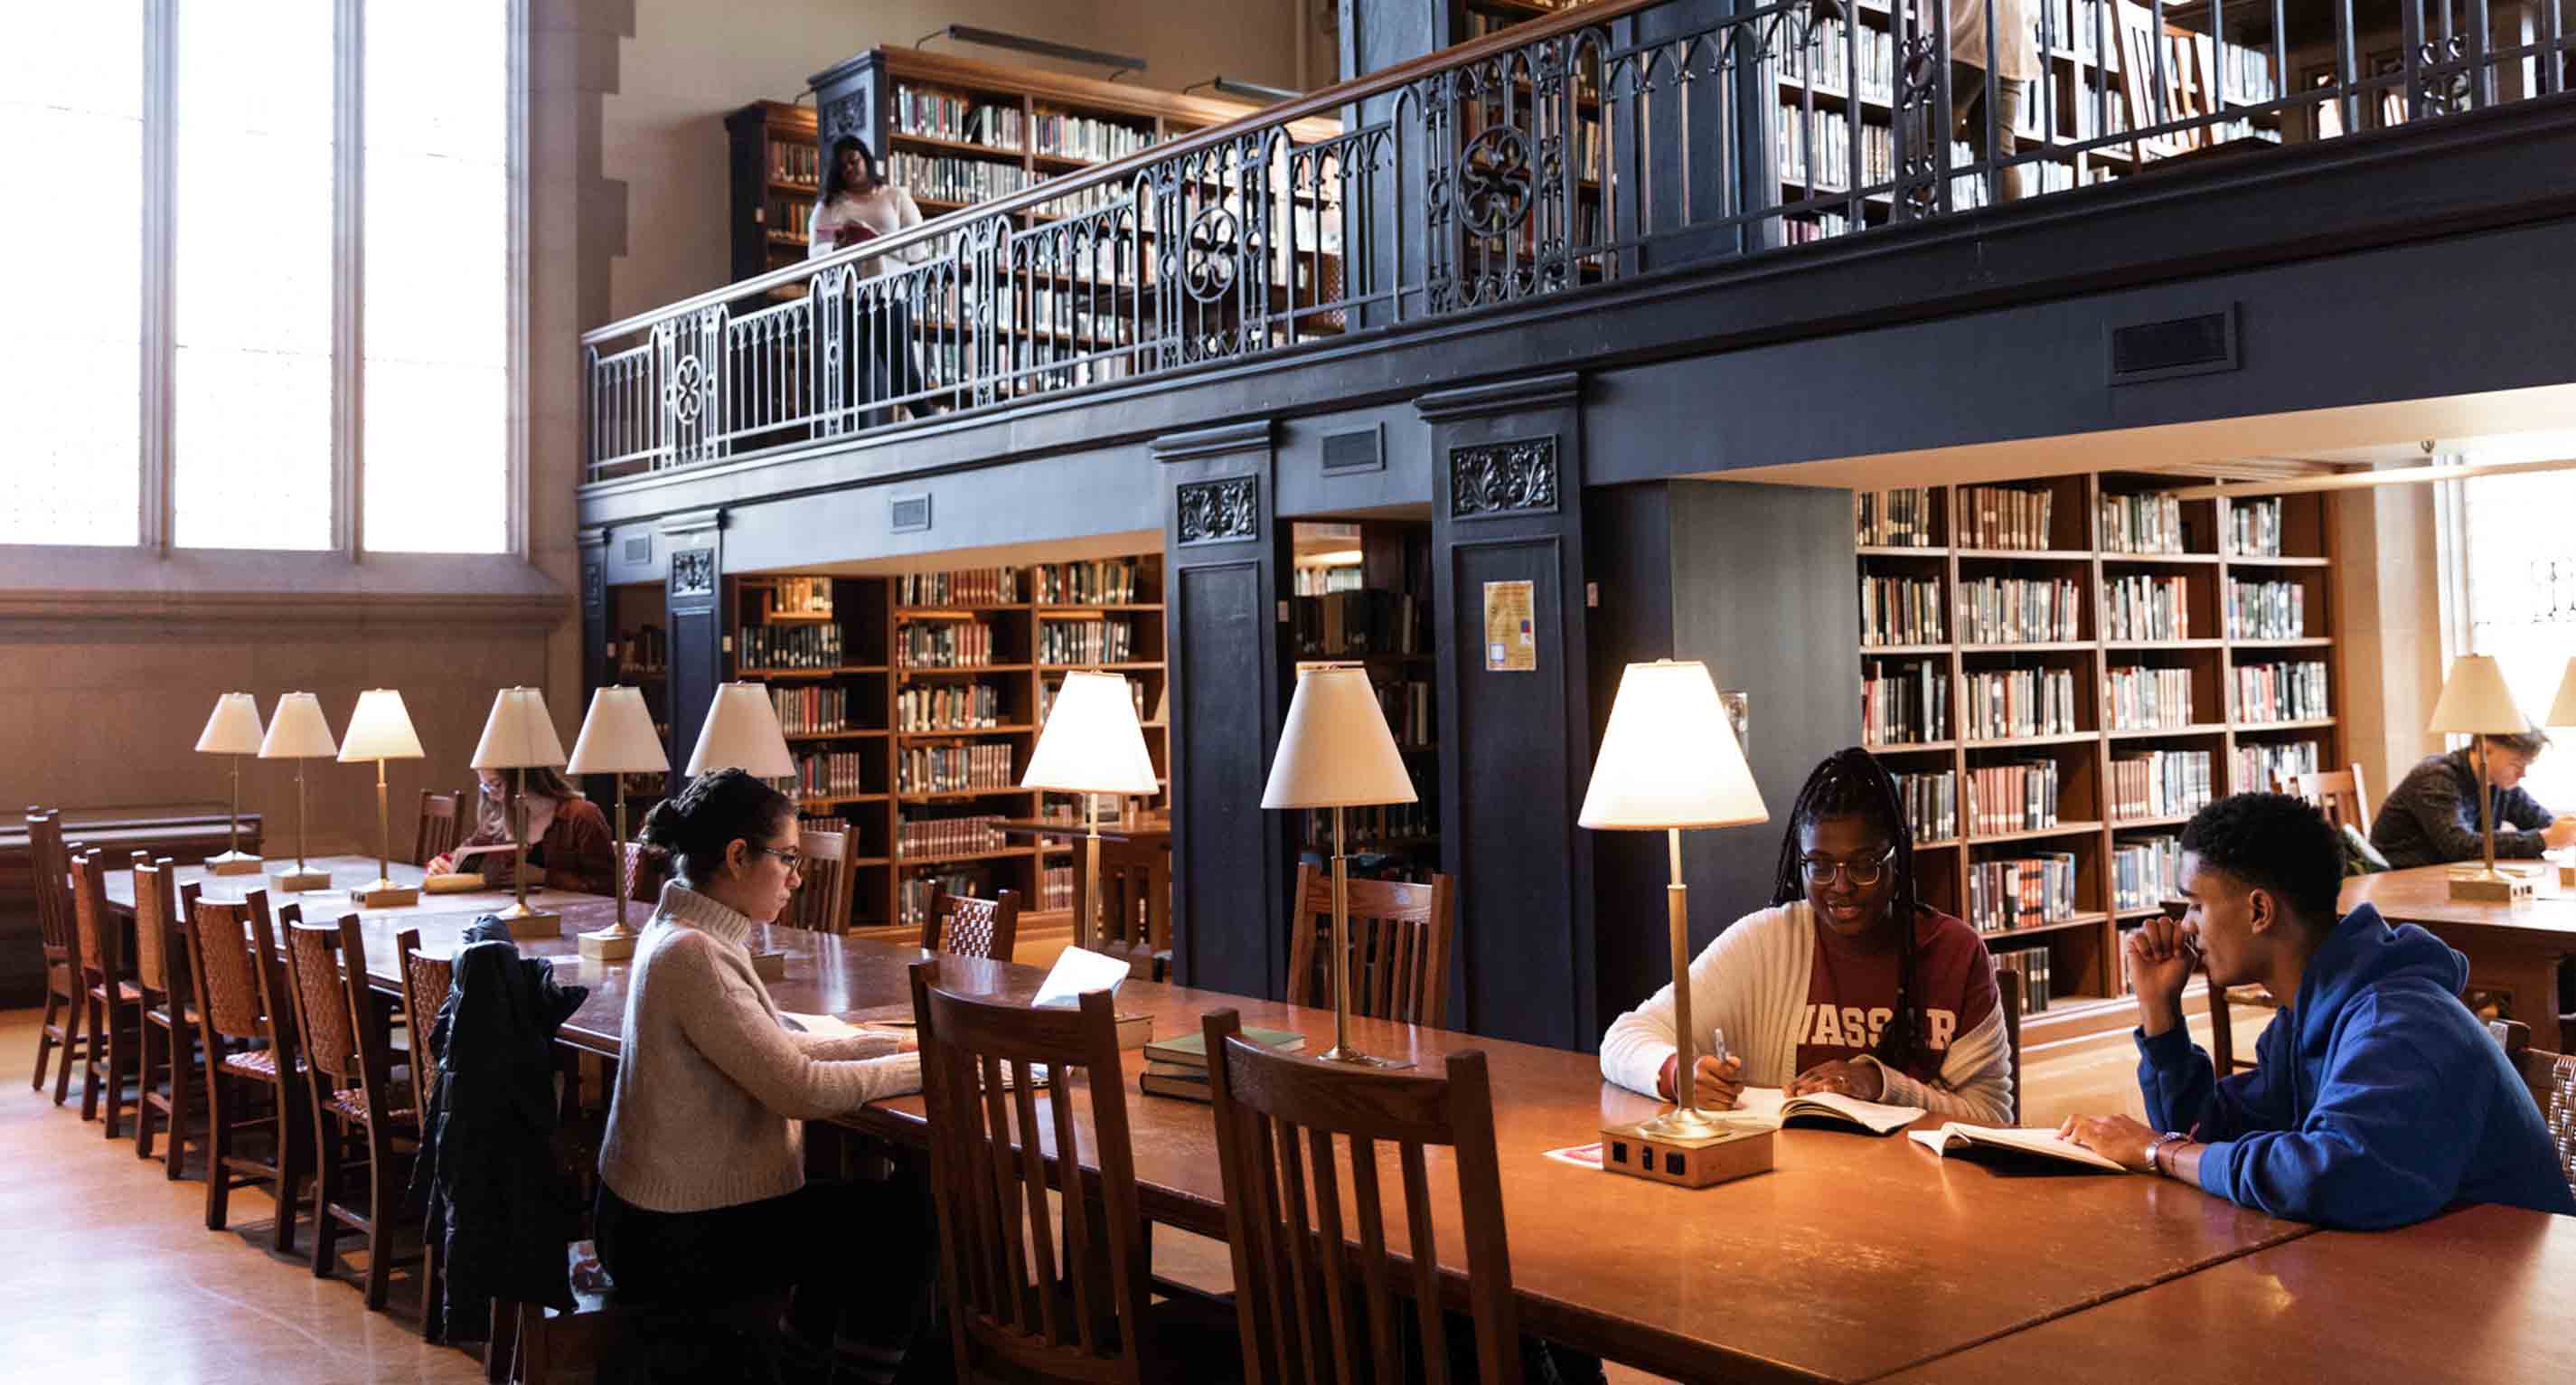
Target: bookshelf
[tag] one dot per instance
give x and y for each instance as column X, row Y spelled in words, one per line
column 776, row 173
column 2100, row 660
column 639, row 654
column 1362, row 595
column 912, row 701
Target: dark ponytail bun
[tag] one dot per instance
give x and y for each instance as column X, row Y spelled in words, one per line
column 691, row 829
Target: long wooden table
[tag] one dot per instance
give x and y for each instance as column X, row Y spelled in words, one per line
column 2512, row 948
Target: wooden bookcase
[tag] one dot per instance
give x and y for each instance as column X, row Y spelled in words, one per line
column 639, row 654
column 1384, row 588
column 884, row 648
column 2082, row 949
column 776, row 171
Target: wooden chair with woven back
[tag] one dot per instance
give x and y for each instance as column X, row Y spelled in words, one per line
column 255, row 1085
column 2338, row 793
column 170, row 1018
column 1135, row 906
column 2550, row 1076
column 114, row 1015
column 1017, row 1309
column 822, row 902
column 1399, row 946
column 440, row 827
column 643, row 876
column 357, row 1107
column 965, row 926
column 1307, row 1307
column 2008, row 995
column 49, row 867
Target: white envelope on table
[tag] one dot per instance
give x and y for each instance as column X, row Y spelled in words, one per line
column 1076, row 971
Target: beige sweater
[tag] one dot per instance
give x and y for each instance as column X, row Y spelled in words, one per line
column 711, row 1089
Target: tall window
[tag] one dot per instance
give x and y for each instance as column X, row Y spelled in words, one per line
column 2519, row 560
column 71, row 261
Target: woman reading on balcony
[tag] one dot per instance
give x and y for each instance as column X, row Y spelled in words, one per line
column 1845, row 984
column 858, row 205
column 568, row 842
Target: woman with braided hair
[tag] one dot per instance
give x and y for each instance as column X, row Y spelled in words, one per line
column 1847, row 983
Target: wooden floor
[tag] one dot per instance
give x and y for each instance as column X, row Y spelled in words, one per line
column 111, row 1275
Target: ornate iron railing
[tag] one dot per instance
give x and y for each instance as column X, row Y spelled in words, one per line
column 1618, row 137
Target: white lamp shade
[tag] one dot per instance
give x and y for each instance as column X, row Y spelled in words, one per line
column 233, row 729
column 741, row 732
column 380, row 729
column 1091, row 742
column 519, row 734
column 1336, row 751
column 1669, row 757
column 297, row 731
column 618, row 737
column 2562, row 708
column 2476, row 702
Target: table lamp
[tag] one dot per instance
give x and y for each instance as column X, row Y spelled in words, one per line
column 1336, row 752
column 617, row 739
column 2562, row 708
column 232, row 730
column 517, row 735
column 1669, row 761
column 297, row 732
column 2476, row 703
column 1091, row 744
column 380, row 730
column 742, row 732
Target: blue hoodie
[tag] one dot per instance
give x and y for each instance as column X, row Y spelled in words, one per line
column 2380, row 1099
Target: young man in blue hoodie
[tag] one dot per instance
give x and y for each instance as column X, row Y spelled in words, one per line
column 2379, row 1101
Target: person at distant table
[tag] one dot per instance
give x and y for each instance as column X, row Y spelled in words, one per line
column 2379, row 1099
column 568, row 843
column 1847, row 983
column 2432, row 815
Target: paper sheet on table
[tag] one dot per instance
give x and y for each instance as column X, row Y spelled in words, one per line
column 1772, row 1105
column 1076, row 971
column 820, row 1026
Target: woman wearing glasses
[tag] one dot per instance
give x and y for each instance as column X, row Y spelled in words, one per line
column 1845, row 984
column 703, row 1198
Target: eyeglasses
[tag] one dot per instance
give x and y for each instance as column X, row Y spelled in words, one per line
column 794, row 858
column 1821, row 872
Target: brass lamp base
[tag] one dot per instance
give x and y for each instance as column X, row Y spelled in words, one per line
column 1726, row 1153
column 2498, row 888
column 232, row 863
column 384, row 894
column 2567, row 877
column 1357, row 1059
column 291, row 880
column 610, row 944
column 527, row 922
column 769, row 966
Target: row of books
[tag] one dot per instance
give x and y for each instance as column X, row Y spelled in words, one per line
column 1407, row 707
column 2144, row 871
column 2021, row 893
column 2005, row 517
column 811, row 711
column 2160, row 784
column 983, row 586
column 948, row 707
column 790, row 216
column 1369, row 620
column 2260, row 766
column 1809, row 227
column 1829, row 138
column 948, row 836
column 955, row 177
column 795, row 163
column 2138, row 607
column 1052, row 686
column 2281, row 692
column 2008, row 703
column 1324, row 581
column 1086, row 641
column 2031, row 965
column 644, row 649
column 1905, row 704
column 1374, row 827
column 2147, row 699
column 1931, row 805
column 2254, row 527
column 810, row 825
column 829, row 774
column 945, row 644
column 797, row 597
column 1055, row 888
column 917, row 893
column 1104, row 582
column 2020, row 610
column 1900, row 610
column 2016, row 797
column 968, row 120
column 1902, row 518
column 951, row 768
column 1071, row 136
column 1835, row 61
column 2148, row 522
column 2266, row 610
column 789, row 646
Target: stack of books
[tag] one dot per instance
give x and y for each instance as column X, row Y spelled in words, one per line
column 1178, row 1066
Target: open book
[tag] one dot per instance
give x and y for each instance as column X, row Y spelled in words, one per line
column 1772, row 1106
column 2044, row 1144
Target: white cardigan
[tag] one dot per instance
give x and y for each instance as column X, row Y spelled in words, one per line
column 1752, row 982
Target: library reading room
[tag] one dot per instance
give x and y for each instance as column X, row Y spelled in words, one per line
column 838, row 692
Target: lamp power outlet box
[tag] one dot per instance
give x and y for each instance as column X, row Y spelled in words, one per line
column 2492, row 889
column 232, row 863
column 291, row 880
column 1689, row 1163
column 600, row 947
column 384, row 896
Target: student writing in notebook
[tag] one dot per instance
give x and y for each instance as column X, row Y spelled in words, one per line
column 2378, row 1099
column 1846, row 984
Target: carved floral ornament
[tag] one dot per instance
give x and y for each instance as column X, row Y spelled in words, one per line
column 693, row 572
column 1221, row 511
column 1503, row 478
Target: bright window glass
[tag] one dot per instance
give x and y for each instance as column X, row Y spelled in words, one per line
column 2520, row 565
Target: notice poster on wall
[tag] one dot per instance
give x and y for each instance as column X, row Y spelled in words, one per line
column 1511, row 632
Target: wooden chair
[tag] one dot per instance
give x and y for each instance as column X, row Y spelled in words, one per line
column 2339, row 794
column 964, row 926
column 1135, row 906
column 1399, row 941
column 1017, row 1311
column 49, row 865
column 170, row 1019
column 426, row 981
column 2008, row 987
column 356, row 1104
column 115, row 1002
column 254, row 1081
column 822, row 902
column 441, row 816
column 1300, row 1294
column 2544, row 1073
column 643, row 877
